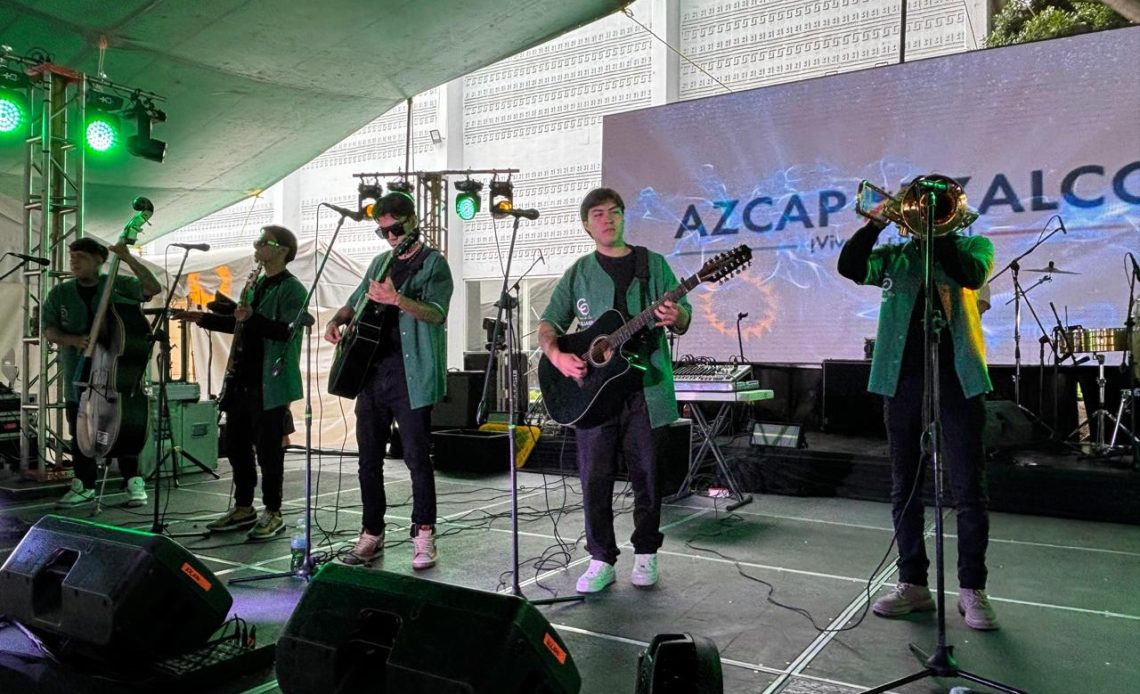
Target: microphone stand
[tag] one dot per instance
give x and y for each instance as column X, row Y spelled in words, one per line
column 303, row 319
column 1014, row 267
column 1128, row 397
column 505, row 303
column 941, row 663
column 22, row 263
column 739, row 339
column 1018, row 294
column 159, row 334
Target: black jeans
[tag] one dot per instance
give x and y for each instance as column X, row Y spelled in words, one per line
column 630, row 432
column 84, row 467
column 963, row 460
column 383, row 399
column 250, row 429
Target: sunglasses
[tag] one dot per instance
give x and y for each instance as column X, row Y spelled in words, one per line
column 396, row 229
column 267, row 242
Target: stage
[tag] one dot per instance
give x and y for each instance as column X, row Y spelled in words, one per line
column 1064, row 589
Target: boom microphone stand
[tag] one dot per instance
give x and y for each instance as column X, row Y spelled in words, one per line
column 506, row 303
column 305, row 320
column 159, row 334
column 941, row 663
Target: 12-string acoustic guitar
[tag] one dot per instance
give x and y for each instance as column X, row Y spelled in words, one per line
column 612, row 349
column 357, row 347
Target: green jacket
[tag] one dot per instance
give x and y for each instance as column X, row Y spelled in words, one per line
column 280, row 303
column 66, row 311
column 586, row 291
column 897, row 268
column 424, row 344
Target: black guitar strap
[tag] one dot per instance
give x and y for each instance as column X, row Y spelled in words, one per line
column 641, row 272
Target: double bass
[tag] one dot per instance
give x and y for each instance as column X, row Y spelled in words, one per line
column 113, row 405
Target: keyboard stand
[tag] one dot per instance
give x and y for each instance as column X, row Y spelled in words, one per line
column 707, row 432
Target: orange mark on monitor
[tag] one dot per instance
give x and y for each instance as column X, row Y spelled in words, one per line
column 557, row 651
column 196, row 577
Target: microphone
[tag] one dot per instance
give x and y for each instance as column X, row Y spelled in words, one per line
column 143, row 208
column 741, row 316
column 1135, row 267
column 505, row 208
column 933, row 185
column 1061, row 223
column 44, row 261
column 355, row 216
column 192, row 246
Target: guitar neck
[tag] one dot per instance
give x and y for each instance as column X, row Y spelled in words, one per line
column 646, row 318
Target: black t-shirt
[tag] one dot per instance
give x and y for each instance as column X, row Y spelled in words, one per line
column 621, row 271
column 913, row 352
column 399, row 272
column 87, row 294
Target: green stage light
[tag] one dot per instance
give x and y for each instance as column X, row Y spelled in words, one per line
column 102, row 129
column 467, row 203
column 102, row 133
column 14, row 101
column 11, row 114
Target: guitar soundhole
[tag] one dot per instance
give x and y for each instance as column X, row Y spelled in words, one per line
column 601, row 351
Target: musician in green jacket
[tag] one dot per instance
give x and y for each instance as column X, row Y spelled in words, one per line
column 607, row 279
column 69, row 311
column 962, row 264
column 408, row 375
column 263, row 379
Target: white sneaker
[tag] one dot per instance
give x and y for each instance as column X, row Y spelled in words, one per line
column 423, row 548
column 136, row 492
column 77, row 495
column 597, row 577
column 368, row 548
column 644, row 572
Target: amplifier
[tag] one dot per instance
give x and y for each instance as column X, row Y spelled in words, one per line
column 10, row 426
column 193, row 427
column 177, row 391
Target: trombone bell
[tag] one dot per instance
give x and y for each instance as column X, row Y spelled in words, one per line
column 908, row 210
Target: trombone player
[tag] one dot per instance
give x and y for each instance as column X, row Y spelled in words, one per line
column 962, row 264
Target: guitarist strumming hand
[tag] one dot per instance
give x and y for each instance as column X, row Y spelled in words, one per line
column 67, row 316
column 256, row 401
column 629, row 279
column 407, row 375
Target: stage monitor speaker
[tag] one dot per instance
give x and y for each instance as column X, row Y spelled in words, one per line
column 362, row 630
column 111, row 593
column 1006, row 425
column 778, row 435
column 458, row 407
column 680, row 664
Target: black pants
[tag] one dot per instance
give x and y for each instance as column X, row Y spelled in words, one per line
column 84, row 467
column 963, row 461
column 630, row 432
column 383, row 399
column 249, row 430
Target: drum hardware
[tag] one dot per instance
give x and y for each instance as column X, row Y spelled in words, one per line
column 1127, row 402
column 1019, row 294
column 1098, row 447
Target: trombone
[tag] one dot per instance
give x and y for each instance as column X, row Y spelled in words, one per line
column 908, row 209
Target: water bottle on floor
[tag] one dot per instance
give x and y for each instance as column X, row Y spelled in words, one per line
column 298, row 543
